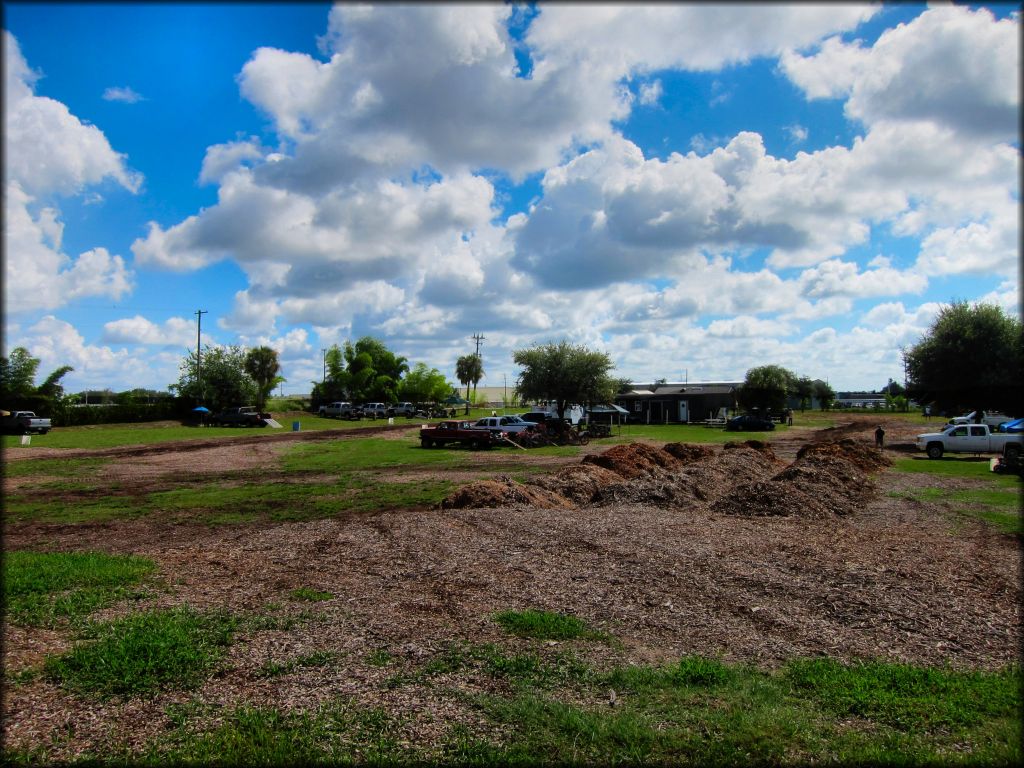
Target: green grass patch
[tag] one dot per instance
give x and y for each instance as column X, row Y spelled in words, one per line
column 336, row 734
column 145, row 653
column 379, row 658
column 996, row 500
column 704, row 712
column 955, row 466
column 36, row 507
column 544, row 625
column 43, row 588
column 310, row 595
column 908, row 698
column 315, row 659
column 369, row 453
column 55, row 467
column 525, row 669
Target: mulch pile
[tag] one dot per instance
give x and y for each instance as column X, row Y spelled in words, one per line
column 503, row 492
column 744, row 478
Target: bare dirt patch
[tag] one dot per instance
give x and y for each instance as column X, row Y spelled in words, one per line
column 663, row 548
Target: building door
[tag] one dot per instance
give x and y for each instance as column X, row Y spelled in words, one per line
column 684, row 415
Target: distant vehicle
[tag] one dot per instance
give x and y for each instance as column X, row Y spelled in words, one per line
column 375, row 410
column 1017, row 425
column 749, row 424
column 510, row 423
column 340, row 410
column 463, row 432
column 402, row 409
column 244, row 416
column 969, row 438
column 991, row 418
column 24, row 422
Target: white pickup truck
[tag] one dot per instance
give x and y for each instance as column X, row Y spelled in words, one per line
column 969, row 438
column 992, row 418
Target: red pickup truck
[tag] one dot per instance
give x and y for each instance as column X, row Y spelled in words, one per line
column 463, row 432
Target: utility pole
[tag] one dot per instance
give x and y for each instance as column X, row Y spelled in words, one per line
column 199, row 350
column 324, row 353
column 477, row 338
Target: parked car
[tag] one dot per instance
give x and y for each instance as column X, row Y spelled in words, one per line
column 1017, row 425
column 462, row 432
column 505, row 423
column 336, row 410
column 749, row 423
column 375, row 411
column 969, row 438
column 402, row 409
column 244, row 416
column 991, row 418
column 24, row 422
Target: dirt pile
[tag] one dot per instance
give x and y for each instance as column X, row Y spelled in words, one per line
column 635, row 460
column 503, row 492
column 745, row 478
column 579, row 483
column 826, row 479
column 861, row 453
column 688, row 453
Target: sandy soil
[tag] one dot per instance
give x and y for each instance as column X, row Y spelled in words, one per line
column 698, row 572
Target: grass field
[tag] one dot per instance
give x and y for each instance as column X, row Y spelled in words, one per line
column 553, row 690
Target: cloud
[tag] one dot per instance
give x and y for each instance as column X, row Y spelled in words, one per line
column 123, row 94
column 49, row 150
column 845, row 279
column 173, row 332
column 37, row 274
column 50, row 153
column 624, row 38
column 650, row 93
column 952, row 65
column 56, row 342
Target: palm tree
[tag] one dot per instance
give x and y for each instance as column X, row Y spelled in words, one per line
column 262, row 365
column 468, row 370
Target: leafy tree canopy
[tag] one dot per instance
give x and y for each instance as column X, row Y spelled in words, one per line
column 222, row 379
column 564, row 373
column 825, row 394
column 766, row 388
column 366, row 371
column 17, row 379
column 424, row 385
column 263, row 368
column 970, row 359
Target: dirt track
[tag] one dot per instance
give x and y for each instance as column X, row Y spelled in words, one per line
column 893, row 578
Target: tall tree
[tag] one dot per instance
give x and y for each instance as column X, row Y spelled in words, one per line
column 468, row 369
column 424, row 384
column 263, row 368
column 17, row 375
column 803, row 388
column 372, row 371
column 564, row 373
column 766, row 388
column 824, row 393
column 224, row 382
column 17, row 379
column 970, row 359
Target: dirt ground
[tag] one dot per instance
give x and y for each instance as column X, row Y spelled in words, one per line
column 756, row 553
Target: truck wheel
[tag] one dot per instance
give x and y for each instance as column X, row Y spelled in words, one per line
column 427, row 443
column 934, row 450
column 1012, row 451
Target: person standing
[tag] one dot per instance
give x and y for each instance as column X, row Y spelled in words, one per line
column 879, row 436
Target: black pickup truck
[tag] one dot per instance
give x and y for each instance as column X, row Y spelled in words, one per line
column 245, row 416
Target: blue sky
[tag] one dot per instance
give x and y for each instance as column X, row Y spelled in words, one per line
column 694, row 189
